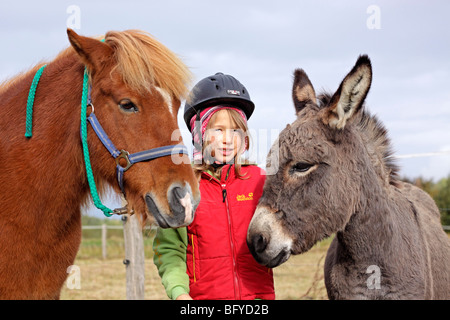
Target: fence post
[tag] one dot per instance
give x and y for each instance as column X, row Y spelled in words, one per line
column 104, row 234
column 134, row 257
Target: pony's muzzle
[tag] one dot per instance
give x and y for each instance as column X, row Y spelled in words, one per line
column 181, row 204
column 182, row 207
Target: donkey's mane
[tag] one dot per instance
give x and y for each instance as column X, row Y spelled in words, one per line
column 144, row 62
column 375, row 137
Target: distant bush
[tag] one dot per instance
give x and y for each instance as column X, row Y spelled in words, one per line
column 439, row 191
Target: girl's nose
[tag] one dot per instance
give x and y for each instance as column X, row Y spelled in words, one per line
column 225, row 137
column 228, row 137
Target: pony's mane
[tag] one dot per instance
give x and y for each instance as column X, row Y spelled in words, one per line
column 375, row 138
column 12, row 81
column 144, row 62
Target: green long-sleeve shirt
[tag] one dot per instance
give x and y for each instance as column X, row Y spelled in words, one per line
column 170, row 247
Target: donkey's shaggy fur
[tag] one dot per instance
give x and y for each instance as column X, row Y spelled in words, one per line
column 336, row 175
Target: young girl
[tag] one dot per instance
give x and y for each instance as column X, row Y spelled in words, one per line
column 210, row 259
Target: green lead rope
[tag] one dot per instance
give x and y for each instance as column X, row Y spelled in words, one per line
column 30, row 102
column 29, row 128
column 87, row 161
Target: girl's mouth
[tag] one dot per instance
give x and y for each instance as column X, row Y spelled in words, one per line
column 226, row 152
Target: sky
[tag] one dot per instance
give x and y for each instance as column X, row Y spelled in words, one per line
column 262, row 42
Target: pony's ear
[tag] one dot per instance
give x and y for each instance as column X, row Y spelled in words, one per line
column 302, row 90
column 350, row 96
column 92, row 52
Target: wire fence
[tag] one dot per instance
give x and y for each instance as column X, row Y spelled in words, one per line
column 421, row 155
column 107, row 242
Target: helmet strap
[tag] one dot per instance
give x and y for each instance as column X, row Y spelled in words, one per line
column 198, row 145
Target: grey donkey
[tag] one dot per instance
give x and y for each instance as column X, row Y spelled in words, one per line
column 336, row 175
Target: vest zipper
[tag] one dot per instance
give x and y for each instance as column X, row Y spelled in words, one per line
column 237, row 291
column 193, row 257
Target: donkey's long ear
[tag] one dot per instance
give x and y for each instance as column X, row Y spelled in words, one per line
column 350, row 96
column 93, row 52
column 302, row 91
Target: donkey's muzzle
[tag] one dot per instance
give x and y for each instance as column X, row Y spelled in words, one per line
column 257, row 245
column 182, row 206
column 266, row 239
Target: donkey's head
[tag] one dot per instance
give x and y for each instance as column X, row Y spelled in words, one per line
column 137, row 85
column 324, row 161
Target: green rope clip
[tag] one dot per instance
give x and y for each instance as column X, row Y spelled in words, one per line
column 29, row 128
column 87, row 161
column 30, row 102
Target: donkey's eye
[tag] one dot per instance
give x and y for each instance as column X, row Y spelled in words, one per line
column 301, row 167
column 127, row 105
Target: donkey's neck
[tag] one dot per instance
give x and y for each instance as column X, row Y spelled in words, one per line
column 372, row 226
column 383, row 219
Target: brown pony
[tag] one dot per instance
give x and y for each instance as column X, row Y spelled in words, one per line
column 137, row 85
column 336, row 175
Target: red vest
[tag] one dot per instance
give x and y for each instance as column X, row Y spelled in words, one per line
column 219, row 264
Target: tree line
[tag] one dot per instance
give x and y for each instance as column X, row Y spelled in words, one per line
column 439, row 191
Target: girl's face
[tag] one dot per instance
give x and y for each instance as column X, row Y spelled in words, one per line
column 225, row 138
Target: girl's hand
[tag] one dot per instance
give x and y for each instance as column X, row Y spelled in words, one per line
column 184, row 296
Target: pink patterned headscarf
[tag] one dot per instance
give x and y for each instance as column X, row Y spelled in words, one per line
column 205, row 116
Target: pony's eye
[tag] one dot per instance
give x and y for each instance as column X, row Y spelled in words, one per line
column 127, row 105
column 301, row 167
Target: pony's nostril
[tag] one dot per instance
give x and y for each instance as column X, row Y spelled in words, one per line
column 179, row 193
column 259, row 243
column 153, row 209
column 181, row 204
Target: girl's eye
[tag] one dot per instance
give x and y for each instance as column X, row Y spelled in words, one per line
column 127, row 105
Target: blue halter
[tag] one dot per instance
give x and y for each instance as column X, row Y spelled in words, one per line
column 92, row 119
column 129, row 158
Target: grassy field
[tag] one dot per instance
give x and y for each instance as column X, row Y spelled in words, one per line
column 301, row 277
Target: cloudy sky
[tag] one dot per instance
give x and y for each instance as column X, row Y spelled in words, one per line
column 262, row 42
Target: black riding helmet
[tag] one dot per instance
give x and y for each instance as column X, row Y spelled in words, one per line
column 217, row 89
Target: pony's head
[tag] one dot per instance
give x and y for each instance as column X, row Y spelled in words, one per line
column 137, row 85
column 328, row 159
